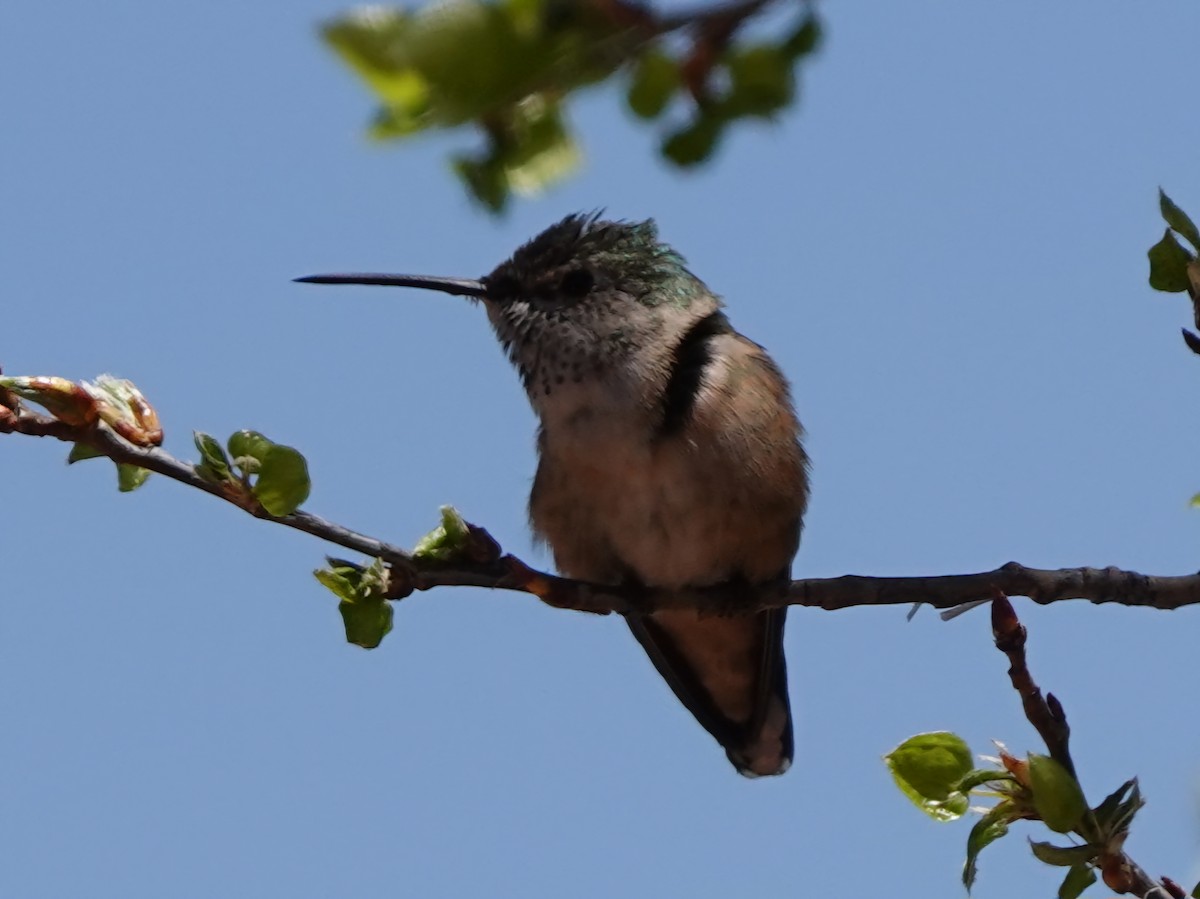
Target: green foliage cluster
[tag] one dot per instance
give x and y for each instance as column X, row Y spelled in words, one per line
column 936, row 773
column 273, row 474
column 364, row 590
column 509, row 67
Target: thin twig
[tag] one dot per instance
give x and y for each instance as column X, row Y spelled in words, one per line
column 505, row 572
column 1121, row 872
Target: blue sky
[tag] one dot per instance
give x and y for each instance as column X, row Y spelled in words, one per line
column 943, row 246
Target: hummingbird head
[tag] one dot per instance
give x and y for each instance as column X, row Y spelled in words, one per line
column 586, row 299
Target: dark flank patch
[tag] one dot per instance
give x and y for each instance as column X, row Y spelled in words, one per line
column 692, row 356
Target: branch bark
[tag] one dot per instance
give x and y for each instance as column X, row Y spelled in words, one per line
column 484, row 565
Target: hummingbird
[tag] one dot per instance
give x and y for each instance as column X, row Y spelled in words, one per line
column 669, row 457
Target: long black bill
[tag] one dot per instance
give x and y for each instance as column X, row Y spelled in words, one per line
column 462, row 287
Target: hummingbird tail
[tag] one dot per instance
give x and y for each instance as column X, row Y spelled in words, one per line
column 729, row 671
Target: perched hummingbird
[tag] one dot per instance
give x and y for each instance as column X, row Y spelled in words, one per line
column 669, row 456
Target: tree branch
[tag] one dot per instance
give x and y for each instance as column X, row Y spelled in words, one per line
column 483, row 564
column 1120, row 872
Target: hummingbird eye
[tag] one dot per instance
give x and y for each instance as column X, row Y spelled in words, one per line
column 577, row 282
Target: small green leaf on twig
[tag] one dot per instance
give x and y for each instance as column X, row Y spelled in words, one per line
column 1078, row 879
column 214, row 464
column 366, row 623
column 130, row 477
column 1178, row 220
column 991, row 827
column 448, row 541
column 1057, row 796
column 928, row 768
column 248, row 450
column 81, row 451
column 283, row 483
column 1168, row 264
column 1064, row 856
column 366, row 614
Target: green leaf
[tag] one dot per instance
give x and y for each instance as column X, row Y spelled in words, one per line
column 248, row 449
column 1057, row 796
column 1122, row 817
column 991, row 827
column 981, row 776
column 367, row 623
column 538, row 149
column 1064, row 856
column 761, row 82
column 81, row 451
column 805, row 39
column 1106, row 810
column 1168, row 264
column 445, row 542
column 337, row 583
column 693, row 143
column 485, row 180
column 1195, row 894
column 283, row 483
column 1078, row 879
column 927, row 768
column 365, row 612
column 214, row 464
column 130, row 477
column 654, row 80
column 1195, row 503
column 1178, row 220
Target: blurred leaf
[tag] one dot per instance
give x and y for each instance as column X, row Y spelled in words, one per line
column 529, row 148
column 805, row 39
column 1168, row 264
column 654, row 80
column 1056, row 794
column 1078, row 879
column 1178, row 220
column 366, row 623
column 283, row 483
column 1196, row 501
column 540, row 149
column 928, row 768
column 130, row 477
column 81, row 451
column 447, row 541
column 991, row 827
column 485, row 180
column 214, row 464
column 248, row 449
column 693, row 143
column 460, row 62
column 761, row 81
column 1064, row 856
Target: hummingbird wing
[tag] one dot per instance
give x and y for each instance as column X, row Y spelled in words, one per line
column 730, row 673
